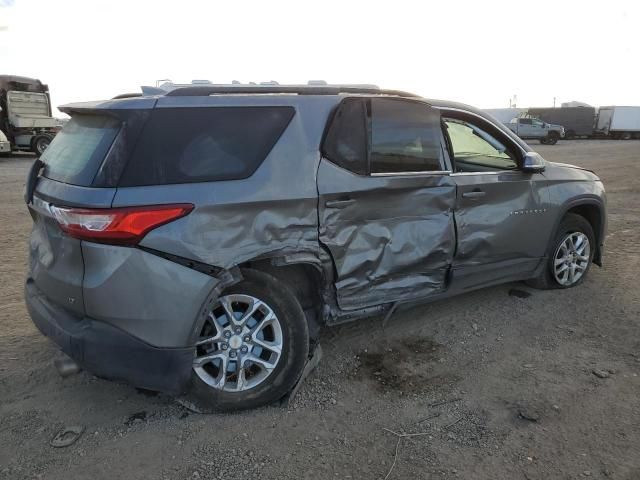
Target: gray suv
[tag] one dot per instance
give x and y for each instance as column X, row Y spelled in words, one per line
column 196, row 240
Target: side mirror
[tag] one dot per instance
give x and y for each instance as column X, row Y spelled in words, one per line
column 533, row 163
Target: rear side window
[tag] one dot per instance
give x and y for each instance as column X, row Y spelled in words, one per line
column 76, row 153
column 346, row 140
column 405, row 137
column 186, row 145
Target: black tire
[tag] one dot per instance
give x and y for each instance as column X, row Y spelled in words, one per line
column 570, row 135
column 294, row 354
column 570, row 223
column 552, row 138
column 40, row 144
column 543, row 141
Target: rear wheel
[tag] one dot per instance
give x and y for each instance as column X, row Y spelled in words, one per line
column 552, row 138
column 40, row 144
column 252, row 347
column 569, row 255
column 543, row 141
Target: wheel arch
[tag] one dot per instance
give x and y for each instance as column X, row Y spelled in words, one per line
column 592, row 209
column 305, row 276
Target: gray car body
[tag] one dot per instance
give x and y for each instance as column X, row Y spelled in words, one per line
column 399, row 238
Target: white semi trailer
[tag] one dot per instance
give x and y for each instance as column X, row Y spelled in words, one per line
column 619, row 122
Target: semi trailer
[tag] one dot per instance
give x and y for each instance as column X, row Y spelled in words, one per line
column 618, row 122
column 577, row 121
column 26, row 123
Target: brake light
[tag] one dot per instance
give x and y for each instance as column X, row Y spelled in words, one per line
column 122, row 226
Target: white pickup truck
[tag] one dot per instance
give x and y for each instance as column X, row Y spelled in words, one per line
column 532, row 128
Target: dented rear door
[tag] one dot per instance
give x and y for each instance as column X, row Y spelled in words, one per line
column 388, row 227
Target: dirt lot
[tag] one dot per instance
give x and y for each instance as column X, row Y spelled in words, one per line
column 498, row 383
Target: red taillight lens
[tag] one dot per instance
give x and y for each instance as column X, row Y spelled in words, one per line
column 122, row 226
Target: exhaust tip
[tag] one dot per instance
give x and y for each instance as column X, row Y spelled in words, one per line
column 66, row 366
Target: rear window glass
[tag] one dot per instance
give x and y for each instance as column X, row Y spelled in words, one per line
column 76, row 153
column 346, row 140
column 186, row 145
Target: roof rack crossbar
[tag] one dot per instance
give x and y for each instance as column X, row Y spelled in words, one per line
column 201, row 91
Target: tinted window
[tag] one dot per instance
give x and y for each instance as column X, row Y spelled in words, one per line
column 525, row 121
column 405, row 137
column 474, row 147
column 76, row 153
column 345, row 143
column 185, row 145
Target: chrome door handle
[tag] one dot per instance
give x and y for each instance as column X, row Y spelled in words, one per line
column 339, row 203
column 474, row 194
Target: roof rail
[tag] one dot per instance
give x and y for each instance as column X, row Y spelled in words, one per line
column 127, row 95
column 201, row 90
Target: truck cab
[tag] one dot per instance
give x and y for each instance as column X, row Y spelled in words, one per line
column 532, row 128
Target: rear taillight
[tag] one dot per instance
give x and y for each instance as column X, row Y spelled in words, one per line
column 122, row 226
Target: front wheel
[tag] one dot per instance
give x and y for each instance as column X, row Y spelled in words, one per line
column 569, row 256
column 252, row 347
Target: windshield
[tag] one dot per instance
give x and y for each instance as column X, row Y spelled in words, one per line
column 76, row 153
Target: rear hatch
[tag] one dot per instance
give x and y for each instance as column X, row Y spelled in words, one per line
column 80, row 171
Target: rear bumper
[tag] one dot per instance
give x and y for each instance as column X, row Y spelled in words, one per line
column 107, row 351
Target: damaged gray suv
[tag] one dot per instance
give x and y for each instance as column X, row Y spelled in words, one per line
column 197, row 240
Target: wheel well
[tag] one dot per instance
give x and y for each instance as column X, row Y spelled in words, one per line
column 306, row 283
column 304, row 280
column 591, row 213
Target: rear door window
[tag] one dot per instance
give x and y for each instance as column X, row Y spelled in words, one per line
column 405, row 137
column 385, row 135
column 76, row 153
column 346, row 140
column 186, row 145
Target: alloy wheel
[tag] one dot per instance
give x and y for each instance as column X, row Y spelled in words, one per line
column 571, row 259
column 239, row 345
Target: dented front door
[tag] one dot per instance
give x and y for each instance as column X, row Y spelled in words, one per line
column 391, row 237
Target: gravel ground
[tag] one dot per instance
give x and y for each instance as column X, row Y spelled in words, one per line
column 498, row 383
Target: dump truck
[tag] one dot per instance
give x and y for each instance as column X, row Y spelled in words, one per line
column 26, row 123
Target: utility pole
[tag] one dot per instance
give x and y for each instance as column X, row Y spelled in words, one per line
column 554, row 102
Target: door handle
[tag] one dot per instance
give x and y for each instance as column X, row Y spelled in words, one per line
column 474, row 194
column 339, row 203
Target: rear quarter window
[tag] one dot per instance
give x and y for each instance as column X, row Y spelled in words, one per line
column 188, row 145
column 76, row 153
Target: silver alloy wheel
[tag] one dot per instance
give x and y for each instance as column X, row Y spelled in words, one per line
column 240, row 344
column 571, row 259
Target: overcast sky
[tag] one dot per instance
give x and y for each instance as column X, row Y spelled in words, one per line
column 480, row 52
